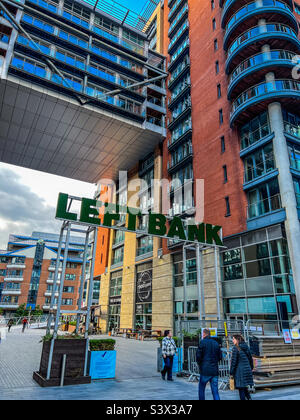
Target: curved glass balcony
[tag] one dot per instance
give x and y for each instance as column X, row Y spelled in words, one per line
column 232, row 6
column 258, row 33
column 252, row 9
column 258, row 62
column 266, row 91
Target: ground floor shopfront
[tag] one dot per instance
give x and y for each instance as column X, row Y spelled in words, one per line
column 255, row 282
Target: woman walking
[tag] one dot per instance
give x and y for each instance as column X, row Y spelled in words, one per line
column 168, row 353
column 242, row 367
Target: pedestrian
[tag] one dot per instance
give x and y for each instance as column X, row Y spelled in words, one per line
column 168, row 352
column 24, row 322
column 242, row 367
column 208, row 356
column 10, row 324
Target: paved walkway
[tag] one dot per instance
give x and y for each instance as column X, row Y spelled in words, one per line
column 137, row 378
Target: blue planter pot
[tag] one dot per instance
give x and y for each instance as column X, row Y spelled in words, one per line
column 103, row 364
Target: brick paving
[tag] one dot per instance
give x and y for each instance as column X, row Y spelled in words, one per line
column 137, row 378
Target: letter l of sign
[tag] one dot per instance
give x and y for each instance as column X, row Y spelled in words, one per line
column 61, row 209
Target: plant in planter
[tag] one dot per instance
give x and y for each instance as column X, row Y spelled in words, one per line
column 102, row 358
column 74, row 347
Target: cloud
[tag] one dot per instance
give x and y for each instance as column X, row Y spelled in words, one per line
column 21, row 210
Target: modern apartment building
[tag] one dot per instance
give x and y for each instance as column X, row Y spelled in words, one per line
column 27, row 269
column 67, row 105
column 228, row 114
column 233, row 120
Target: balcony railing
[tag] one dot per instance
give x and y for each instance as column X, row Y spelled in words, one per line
column 263, row 89
column 252, row 6
column 292, row 129
column 260, row 208
column 252, row 33
column 4, row 38
column 252, row 137
column 178, row 17
column 260, row 169
column 260, row 58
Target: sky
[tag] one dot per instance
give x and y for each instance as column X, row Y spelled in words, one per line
column 28, row 200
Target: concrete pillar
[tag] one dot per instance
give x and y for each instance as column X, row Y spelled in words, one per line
column 287, row 191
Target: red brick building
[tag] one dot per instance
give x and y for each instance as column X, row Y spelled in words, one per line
column 27, row 272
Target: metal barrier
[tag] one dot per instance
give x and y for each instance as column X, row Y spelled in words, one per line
column 33, row 321
column 224, row 367
column 223, row 326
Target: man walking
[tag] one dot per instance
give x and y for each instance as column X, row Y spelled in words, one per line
column 10, row 324
column 209, row 355
column 168, row 353
column 24, row 322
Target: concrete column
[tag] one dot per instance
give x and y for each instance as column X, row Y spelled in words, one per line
column 287, row 191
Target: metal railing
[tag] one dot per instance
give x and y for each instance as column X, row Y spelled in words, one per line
column 224, row 367
column 262, row 207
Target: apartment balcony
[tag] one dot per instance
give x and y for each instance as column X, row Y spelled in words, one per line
column 277, row 35
column 14, row 278
column 292, row 130
column 179, row 55
column 51, row 281
column 253, row 69
column 231, row 7
column 52, row 268
column 178, row 36
column 255, row 99
column 265, row 212
column 9, row 305
column 248, row 16
column 177, row 76
column 180, row 116
column 175, row 165
column 175, row 8
column 16, row 265
column 178, row 20
column 49, row 294
column 11, row 292
column 179, row 139
column 47, row 307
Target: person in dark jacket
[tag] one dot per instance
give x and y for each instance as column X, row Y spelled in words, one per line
column 242, row 367
column 209, row 355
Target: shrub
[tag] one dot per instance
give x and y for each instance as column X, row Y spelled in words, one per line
column 102, row 345
column 48, row 337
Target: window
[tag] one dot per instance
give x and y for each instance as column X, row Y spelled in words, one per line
column 214, row 25
column 217, row 67
column 212, row 3
column 227, row 202
column 144, row 245
column 70, row 277
column 219, row 91
column 115, row 284
column 260, row 163
column 225, row 174
column 255, row 130
column 68, row 289
column 216, row 45
column 106, row 24
column 223, row 146
column 67, row 302
column 118, row 255
column 221, row 117
column 71, row 59
column 264, row 199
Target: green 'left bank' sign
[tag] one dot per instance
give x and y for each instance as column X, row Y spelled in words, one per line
column 159, row 225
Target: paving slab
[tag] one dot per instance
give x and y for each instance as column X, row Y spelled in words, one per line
column 137, row 378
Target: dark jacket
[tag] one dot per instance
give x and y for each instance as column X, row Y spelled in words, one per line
column 208, row 356
column 242, row 366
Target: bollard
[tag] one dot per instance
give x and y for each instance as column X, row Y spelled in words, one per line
column 63, row 369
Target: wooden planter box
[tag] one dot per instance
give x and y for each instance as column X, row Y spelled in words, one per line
column 75, row 352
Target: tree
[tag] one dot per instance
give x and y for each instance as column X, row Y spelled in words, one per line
column 22, row 311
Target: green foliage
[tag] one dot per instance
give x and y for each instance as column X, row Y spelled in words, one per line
column 102, row 345
column 22, row 311
column 37, row 312
column 48, row 337
column 1, row 311
column 176, row 339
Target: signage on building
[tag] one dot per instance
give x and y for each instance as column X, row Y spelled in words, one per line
column 115, row 300
column 144, row 287
column 159, row 225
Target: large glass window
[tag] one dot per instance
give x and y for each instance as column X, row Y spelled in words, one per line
column 144, row 245
column 260, row 163
column 291, row 123
column 255, row 130
column 118, row 255
column 264, row 199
